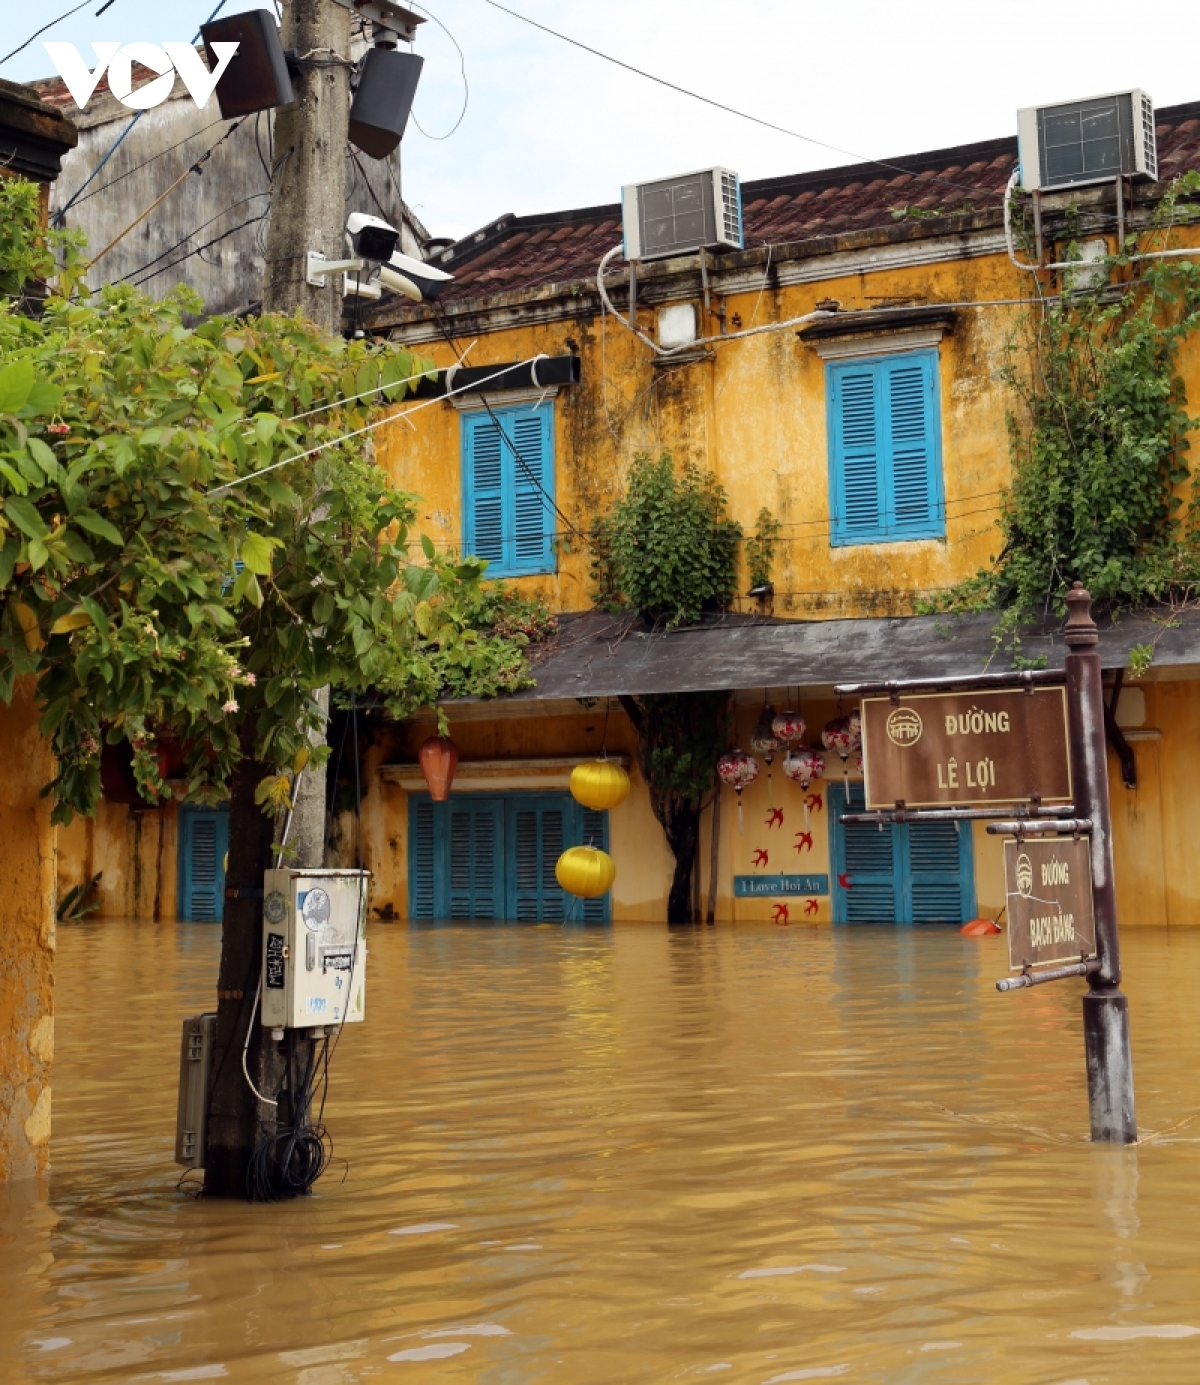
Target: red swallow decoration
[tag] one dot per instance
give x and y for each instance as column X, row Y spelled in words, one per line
column 760, row 857
column 814, row 801
column 775, row 818
column 811, row 907
column 780, row 915
column 844, row 882
column 804, row 841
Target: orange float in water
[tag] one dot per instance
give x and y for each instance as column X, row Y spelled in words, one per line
column 980, row 928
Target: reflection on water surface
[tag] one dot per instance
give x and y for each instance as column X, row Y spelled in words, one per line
column 630, row 1155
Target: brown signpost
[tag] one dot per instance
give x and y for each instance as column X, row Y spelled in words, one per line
column 1048, row 885
column 978, row 747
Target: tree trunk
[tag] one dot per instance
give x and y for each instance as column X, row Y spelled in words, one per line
column 683, row 837
column 235, row 1117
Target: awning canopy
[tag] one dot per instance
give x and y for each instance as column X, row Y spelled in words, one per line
column 600, row 655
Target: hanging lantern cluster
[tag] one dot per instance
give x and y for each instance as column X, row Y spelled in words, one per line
column 585, row 871
column 599, row 784
column 738, row 770
column 764, row 742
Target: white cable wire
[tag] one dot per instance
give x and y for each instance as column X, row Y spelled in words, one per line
column 379, row 422
column 1072, row 264
column 266, row 1100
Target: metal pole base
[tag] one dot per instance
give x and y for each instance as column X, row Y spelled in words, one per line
column 1109, row 1067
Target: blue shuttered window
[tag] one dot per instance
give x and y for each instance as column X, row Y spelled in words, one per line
column 508, row 488
column 203, row 844
column 483, row 856
column 885, row 455
column 907, row 873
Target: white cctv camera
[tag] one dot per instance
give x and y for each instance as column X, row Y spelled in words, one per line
column 370, row 238
column 413, row 278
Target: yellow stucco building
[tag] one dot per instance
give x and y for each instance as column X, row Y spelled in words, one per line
column 844, row 370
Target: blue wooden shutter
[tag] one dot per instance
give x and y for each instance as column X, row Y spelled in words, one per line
column 867, row 858
column 204, row 840
column 854, row 442
column 484, row 463
column 474, row 887
column 885, row 469
column 538, row 837
column 593, row 831
column 422, row 868
column 940, row 872
column 533, row 525
column 914, row 489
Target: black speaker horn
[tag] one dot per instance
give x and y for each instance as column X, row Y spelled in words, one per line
column 379, row 111
column 257, row 77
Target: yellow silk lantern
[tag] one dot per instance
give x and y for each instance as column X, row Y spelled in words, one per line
column 599, row 784
column 585, row 871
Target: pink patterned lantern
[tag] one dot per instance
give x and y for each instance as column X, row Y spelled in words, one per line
column 803, row 765
column 789, row 728
column 737, row 769
column 764, row 742
column 842, row 737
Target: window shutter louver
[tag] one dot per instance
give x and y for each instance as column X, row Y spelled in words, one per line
column 868, row 858
column 594, row 832
column 885, row 466
column 936, row 872
column 205, row 840
column 508, row 488
column 422, row 868
column 474, row 861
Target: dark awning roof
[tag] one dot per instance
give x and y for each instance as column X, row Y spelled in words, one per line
column 598, row 655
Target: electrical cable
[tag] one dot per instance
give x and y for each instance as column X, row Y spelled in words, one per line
column 732, row 110
column 60, row 215
column 370, row 427
column 129, row 172
column 21, row 47
column 266, row 1100
column 208, row 244
column 183, row 240
column 462, row 62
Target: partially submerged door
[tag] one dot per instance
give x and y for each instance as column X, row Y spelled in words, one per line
column 904, row 873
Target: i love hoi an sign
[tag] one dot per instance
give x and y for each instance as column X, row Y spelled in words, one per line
column 1048, row 887
column 990, row 746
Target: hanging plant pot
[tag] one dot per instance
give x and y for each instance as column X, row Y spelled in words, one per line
column 438, row 758
column 599, row 784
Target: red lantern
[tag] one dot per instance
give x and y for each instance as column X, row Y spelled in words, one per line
column 438, row 758
column 764, row 742
column 843, row 736
column 737, row 769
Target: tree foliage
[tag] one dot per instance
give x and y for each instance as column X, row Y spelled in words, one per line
column 1101, row 491
column 168, row 574
column 668, row 548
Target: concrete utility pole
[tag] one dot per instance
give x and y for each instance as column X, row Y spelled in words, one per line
column 308, row 212
column 1105, row 1007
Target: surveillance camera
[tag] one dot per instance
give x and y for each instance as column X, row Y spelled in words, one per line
column 413, row 278
column 370, row 238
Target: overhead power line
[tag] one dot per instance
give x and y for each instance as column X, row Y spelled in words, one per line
column 742, row 115
column 20, row 48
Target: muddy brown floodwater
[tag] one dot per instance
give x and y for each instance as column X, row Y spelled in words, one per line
column 636, row 1154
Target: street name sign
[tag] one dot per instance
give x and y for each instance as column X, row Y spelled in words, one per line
column 983, row 746
column 1048, row 887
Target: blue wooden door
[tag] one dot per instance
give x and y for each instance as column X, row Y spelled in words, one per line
column 907, row 873
column 484, row 856
column 203, row 844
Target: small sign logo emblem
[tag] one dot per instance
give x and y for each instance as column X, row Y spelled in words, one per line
column 904, row 727
column 1024, row 875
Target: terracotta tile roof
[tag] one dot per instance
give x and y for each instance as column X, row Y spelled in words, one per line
column 531, row 252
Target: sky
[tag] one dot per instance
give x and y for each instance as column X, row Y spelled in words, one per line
column 548, row 127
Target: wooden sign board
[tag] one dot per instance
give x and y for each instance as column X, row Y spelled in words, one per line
column 966, row 748
column 1048, row 884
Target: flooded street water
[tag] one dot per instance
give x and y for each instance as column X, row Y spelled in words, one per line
column 635, row 1154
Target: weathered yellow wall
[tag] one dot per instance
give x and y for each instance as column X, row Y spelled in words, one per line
column 27, row 842
column 756, row 415
column 136, row 852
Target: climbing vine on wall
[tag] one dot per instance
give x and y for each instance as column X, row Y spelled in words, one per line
column 1098, row 437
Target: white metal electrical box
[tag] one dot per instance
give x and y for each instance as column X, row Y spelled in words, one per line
column 677, row 216
column 195, row 1062
column 1092, row 141
column 314, row 947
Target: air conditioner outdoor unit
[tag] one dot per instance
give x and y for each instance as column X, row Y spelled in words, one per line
column 1092, row 141
column 676, row 216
